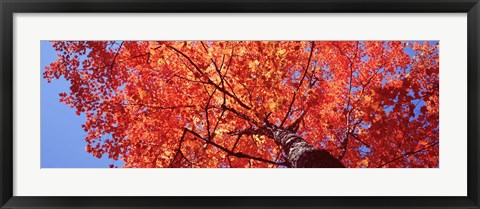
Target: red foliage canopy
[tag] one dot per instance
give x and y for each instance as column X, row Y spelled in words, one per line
column 201, row 103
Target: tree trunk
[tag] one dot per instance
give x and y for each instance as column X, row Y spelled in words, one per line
column 300, row 154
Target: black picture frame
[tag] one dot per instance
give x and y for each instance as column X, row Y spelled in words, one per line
column 9, row 7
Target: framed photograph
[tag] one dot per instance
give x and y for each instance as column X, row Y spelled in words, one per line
column 239, row 104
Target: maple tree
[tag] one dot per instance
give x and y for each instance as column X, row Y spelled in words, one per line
column 255, row 103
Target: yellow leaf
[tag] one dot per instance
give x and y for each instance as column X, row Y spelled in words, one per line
column 281, row 52
column 272, row 106
column 253, row 64
column 368, row 99
column 196, row 119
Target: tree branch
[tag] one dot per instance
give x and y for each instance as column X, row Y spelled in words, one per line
column 299, row 85
column 116, row 54
column 407, row 154
column 308, row 65
column 241, row 115
column 161, row 107
column 347, row 115
column 179, row 147
column 209, row 80
column 236, row 154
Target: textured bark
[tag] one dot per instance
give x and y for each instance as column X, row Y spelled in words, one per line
column 300, row 154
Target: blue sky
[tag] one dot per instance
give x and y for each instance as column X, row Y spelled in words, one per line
column 62, row 137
